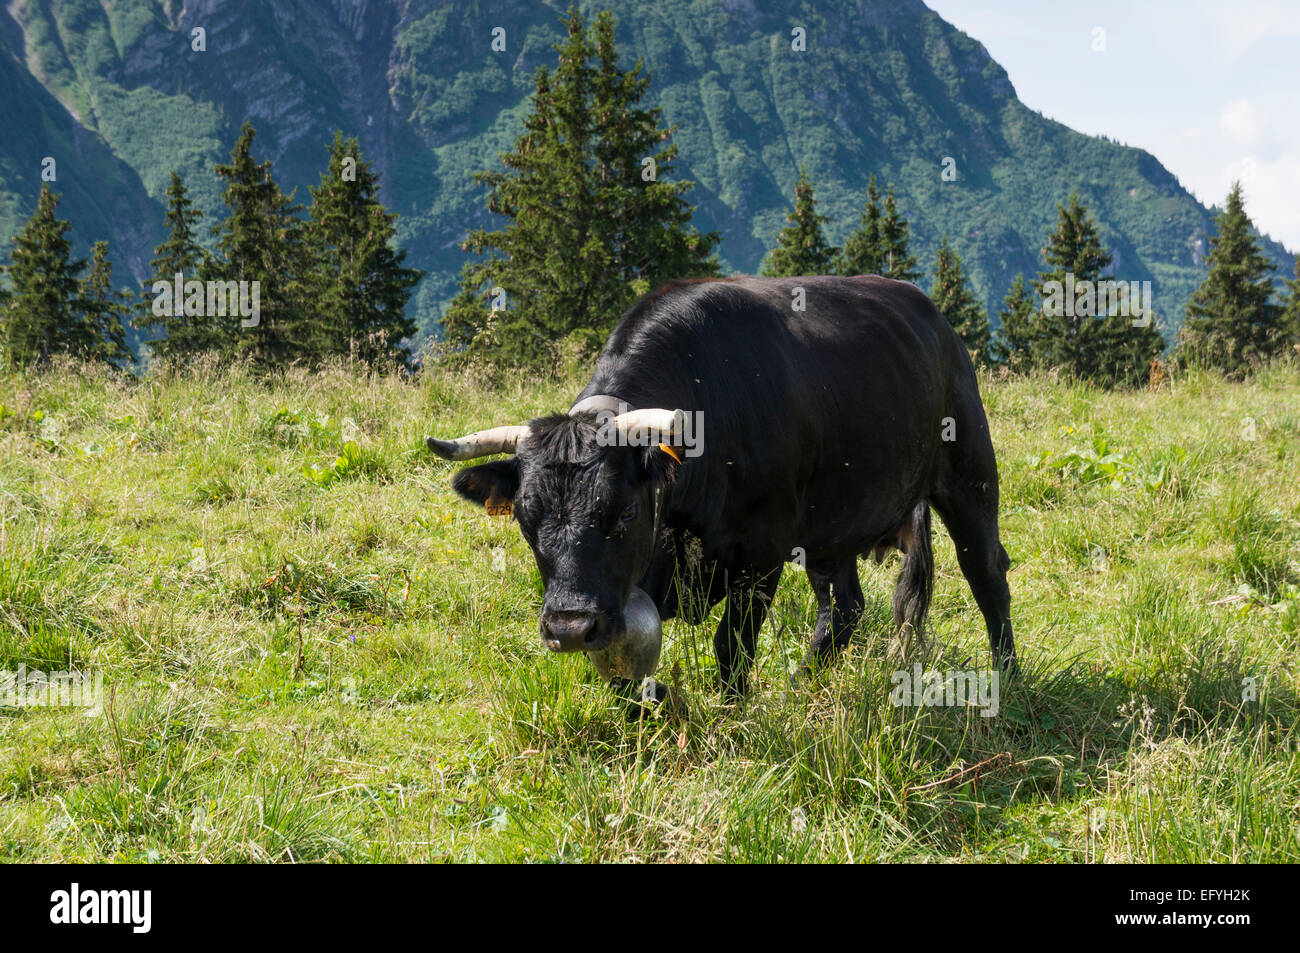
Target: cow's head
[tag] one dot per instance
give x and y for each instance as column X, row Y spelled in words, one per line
column 584, row 488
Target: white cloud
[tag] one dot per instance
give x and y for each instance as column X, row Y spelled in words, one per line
column 1239, row 25
column 1272, row 199
column 1242, row 122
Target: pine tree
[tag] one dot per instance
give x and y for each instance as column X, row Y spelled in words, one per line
column 590, row 223
column 1230, row 322
column 1073, row 249
column 1289, row 320
column 863, row 253
column 359, row 285
column 1013, row 343
column 41, row 318
column 185, row 336
column 1107, row 349
column 953, row 297
column 105, row 311
column 898, row 262
column 465, row 321
column 1123, row 351
column 650, row 221
column 262, row 239
column 801, row 248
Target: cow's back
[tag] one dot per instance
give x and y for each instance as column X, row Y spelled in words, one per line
column 821, row 425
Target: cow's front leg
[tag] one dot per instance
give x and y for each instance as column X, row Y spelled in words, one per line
column 749, row 595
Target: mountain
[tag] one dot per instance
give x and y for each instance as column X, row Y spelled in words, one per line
column 116, row 92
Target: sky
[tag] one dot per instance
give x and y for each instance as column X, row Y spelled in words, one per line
column 1211, row 89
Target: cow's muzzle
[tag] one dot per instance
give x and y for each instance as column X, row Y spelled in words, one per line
column 564, row 631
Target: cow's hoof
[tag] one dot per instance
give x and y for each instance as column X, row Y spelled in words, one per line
column 1010, row 667
column 648, row 699
column 666, row 704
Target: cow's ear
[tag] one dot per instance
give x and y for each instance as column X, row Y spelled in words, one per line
column 661, row 463
column 490, row 485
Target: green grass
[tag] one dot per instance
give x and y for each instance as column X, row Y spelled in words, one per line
column 316, row 653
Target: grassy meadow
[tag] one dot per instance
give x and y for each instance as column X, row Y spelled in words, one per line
column 313, row 651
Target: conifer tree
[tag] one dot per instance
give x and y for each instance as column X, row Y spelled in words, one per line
column 359, row 284
column 895, row 235
column 1124, row 349
column 1109, row 348
column 592, row 217
column 262, row 239
column 464, row 322
column 41, row 317
column 105, row 311
column 648, row 216
column 1289, row 320
column 1230, row 323
column 180, row 253
column 953, row 297
column 1073, row 249
column 801, row 247
column 1013, row 342
column 863, row 253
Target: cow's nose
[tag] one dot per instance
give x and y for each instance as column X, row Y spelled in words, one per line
column 569, row 631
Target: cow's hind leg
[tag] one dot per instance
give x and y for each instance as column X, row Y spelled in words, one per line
column 968, row 506
column 749, row 596
column 839, row 607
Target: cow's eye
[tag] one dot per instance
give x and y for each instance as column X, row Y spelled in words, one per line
column 628, row 515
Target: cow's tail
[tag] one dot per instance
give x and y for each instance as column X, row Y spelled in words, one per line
column 916, row 580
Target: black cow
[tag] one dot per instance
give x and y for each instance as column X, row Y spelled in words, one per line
column 836, row 412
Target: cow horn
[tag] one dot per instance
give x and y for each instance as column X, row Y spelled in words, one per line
column 479, row 444
column 650, row 420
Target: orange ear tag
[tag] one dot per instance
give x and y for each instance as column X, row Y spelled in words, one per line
column 497, row 505
column 671, row 451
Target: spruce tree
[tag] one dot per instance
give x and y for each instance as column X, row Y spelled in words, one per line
column 801, row 247
column 898, row 262
column 465, row 321
column 648, row 216
column 180, row 253
column 359, row 283
column 863, row 253
column 1123, row 351
column 1230, row 321
column 590, row 223
column 262, row 239
column 1013, row 342
column 1289, row 320
column 953, row 297
column 1073, row 248
column 105, row 311
column 1107, row 349
column 42, row 317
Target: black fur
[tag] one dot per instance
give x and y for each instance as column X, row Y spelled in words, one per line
column 822, row 431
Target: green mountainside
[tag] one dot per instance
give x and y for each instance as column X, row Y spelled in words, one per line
column 116, row 94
